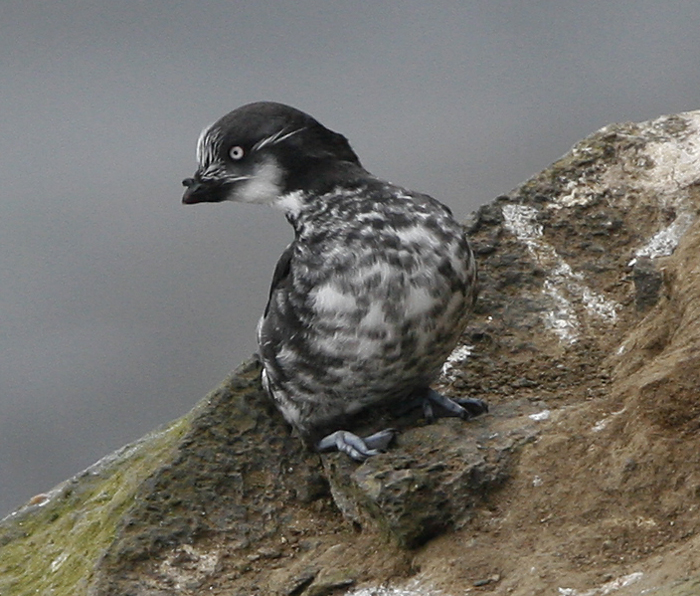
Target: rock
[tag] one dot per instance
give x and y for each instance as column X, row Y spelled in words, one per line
column 583, row 478
column 647, row 283
column 432, row 480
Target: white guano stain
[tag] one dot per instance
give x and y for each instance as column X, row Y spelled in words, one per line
column 562, row 282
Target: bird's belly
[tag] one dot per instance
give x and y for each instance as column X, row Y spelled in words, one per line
column 362, row 335
column 377, row 344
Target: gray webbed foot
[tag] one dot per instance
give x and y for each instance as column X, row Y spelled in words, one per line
column 357, row 448
column 461, row 407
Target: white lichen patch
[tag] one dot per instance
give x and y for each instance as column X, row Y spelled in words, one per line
column 670, row 149
column 606, row 588
column 413, row 588
column 600, row 425
column 540, row 416
column 58, row 561
column 660, row 158
column 603, row 422
column 521, row 220
column 563, row 285
column 457, row 358
column 577, row 192
column 675, row 158
column 186, row 565
column 562, row 318
column 664, row 242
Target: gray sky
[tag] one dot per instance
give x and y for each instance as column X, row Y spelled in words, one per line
column 121, row 307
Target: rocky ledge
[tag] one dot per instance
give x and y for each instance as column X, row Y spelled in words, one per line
column 583, row 479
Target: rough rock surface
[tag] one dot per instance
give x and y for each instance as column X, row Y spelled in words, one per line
column 582, row 480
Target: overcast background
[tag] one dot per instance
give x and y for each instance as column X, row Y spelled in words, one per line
column 120, row 306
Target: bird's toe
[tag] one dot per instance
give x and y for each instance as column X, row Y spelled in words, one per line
column 473, row 406
column 356, row 447
column 381, row 440
column 462, row 407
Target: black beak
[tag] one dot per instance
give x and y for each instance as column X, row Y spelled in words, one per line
column 194, row 193
column 205, row 191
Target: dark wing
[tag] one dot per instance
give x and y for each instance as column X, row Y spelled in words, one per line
column 272, row 329
column 281, row 273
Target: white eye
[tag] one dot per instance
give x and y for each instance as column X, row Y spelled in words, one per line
column 236, row 152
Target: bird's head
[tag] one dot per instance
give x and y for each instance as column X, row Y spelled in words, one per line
column 263, row 151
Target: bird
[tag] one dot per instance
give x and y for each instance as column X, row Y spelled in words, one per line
column 370, row 297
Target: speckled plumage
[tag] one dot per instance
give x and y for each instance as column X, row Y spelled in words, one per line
column 374, row 291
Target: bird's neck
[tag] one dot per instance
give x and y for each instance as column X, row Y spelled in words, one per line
column 308, row 200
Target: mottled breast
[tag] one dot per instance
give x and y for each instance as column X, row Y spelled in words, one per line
column 367, row 302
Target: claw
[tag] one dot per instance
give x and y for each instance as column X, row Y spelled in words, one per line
column 430, row 400
column 475, row 407
column 463, row 407
column 428, row 413
column 451, row 407
column 357, row 448
column 381, row 440
column 435, row 405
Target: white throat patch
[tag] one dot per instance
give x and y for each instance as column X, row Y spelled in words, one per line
column 263, row 186
column 291, row 203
